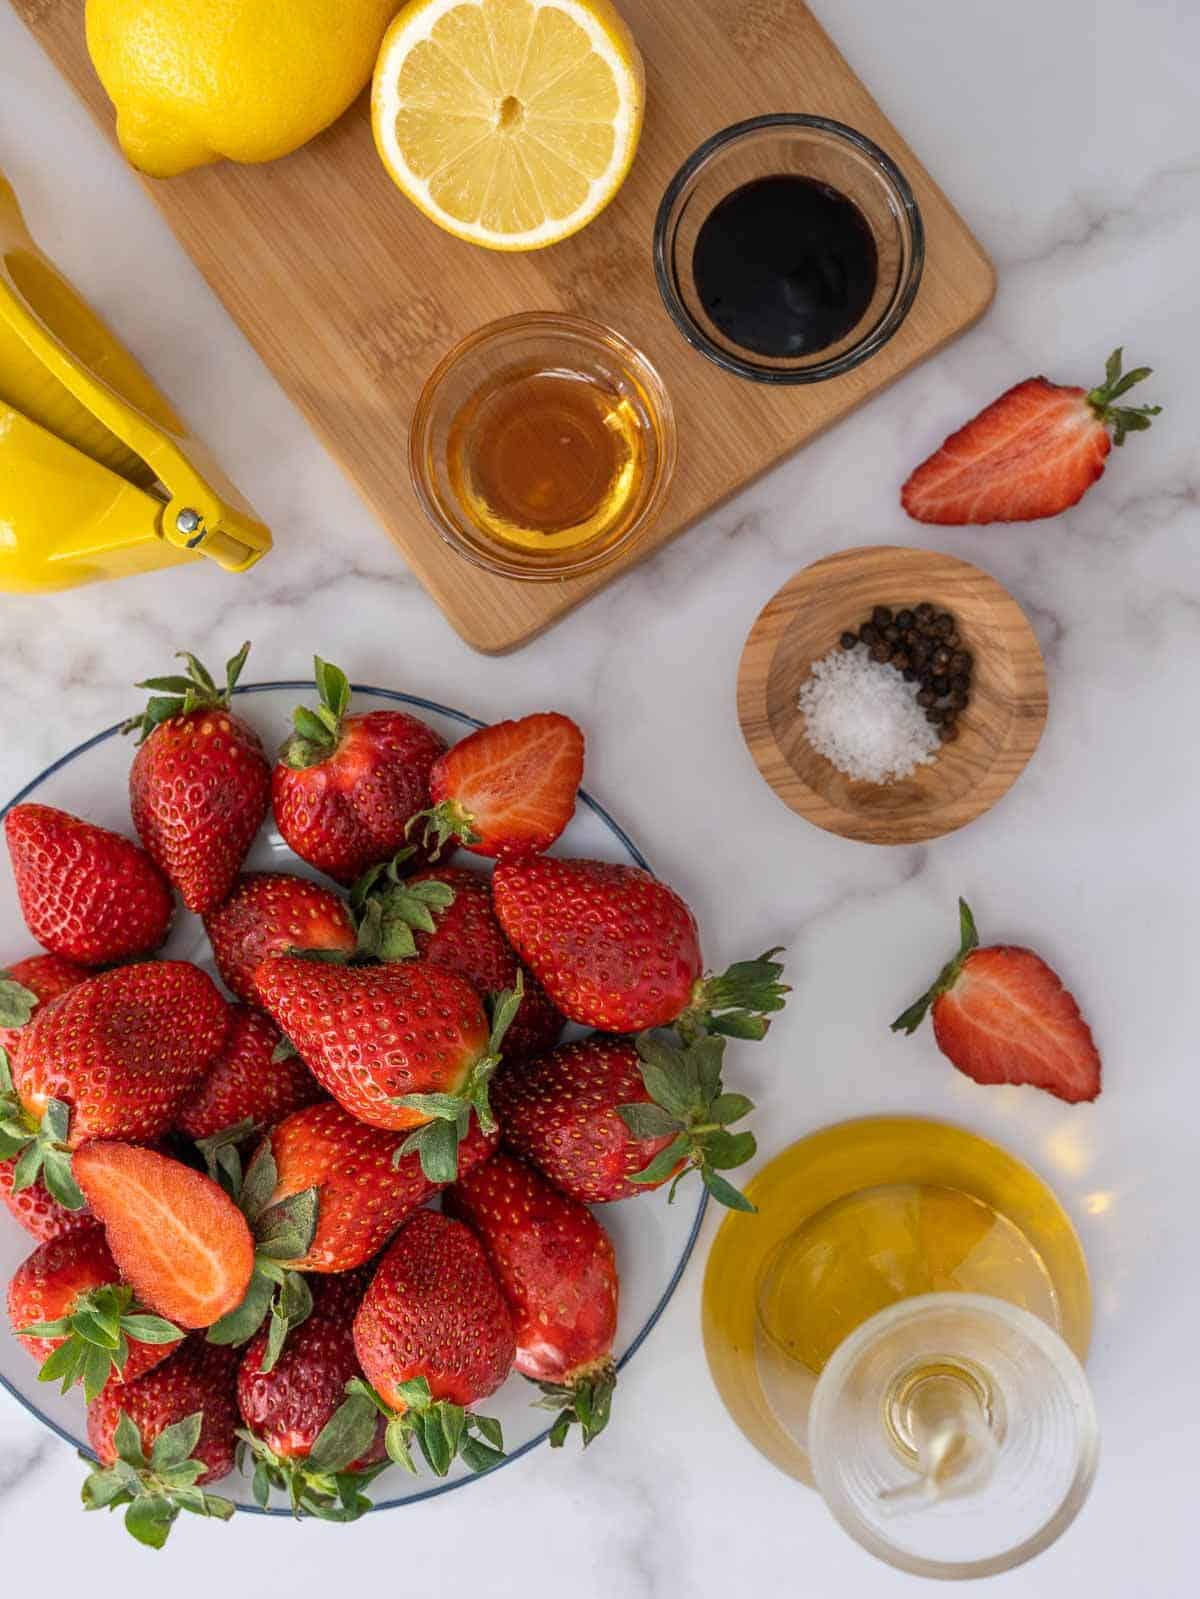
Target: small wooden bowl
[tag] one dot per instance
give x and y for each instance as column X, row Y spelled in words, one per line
column 999, row 730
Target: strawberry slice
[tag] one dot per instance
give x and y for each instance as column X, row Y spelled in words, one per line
column 1001, row 1015
column 507, row 791
column 181, row 1243
column 1031, row 454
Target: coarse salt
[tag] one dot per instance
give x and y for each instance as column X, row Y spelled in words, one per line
column 861, row 715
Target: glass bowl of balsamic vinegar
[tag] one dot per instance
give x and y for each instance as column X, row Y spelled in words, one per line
column 788, row 248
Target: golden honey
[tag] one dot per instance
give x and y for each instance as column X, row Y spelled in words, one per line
column 547, row 459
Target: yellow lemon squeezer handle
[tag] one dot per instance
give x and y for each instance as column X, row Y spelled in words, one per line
column 99, row 477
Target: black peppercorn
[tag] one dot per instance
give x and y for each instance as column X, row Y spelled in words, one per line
column 880, row 650
column 958, row 700
column 904, row 619
column 953, row 640
column 940, row 684
column 900, row 659
column 881, row 615
column 959, row 683
column 868, row 633
column 949, row 713
column 935, row 716
column 919, row 651
column 924, row 612
column 926, row 697
column 909, row 675
column 892, row 633
column 960, row 663
column 944, row 625
column 848, row 640
column 941, row 660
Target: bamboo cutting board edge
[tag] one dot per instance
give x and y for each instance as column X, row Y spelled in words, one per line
column 604, row 272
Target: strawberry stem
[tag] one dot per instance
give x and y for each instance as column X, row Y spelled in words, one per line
column 96, row 1338
column 319, row 732
column 319, row 1484
column 688, row 1099
column 179, row 695
column 442, row 1431
column 968, row 939
column 154, row 1490
column 41, row 1149
column 443, row 822
column 388, row 909
column 737, row 1002
column 585, row 1401
column 1123, row 419
column 17, row 1003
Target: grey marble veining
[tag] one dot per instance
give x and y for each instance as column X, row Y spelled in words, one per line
column 1068, row 135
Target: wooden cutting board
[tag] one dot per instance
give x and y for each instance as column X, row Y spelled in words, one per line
column 350, row 295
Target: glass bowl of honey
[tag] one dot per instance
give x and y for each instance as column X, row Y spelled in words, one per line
column 542, row 445
column 788, row 248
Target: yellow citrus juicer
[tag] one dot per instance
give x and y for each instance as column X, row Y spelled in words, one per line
column 99, row 477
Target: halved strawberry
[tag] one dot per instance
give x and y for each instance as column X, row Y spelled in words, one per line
column 1001, row 1015
column 179, row 1240
column 1032, row 453
column 273, row 913
column 507, row 791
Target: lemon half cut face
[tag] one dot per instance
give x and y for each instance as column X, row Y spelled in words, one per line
column 510, row 123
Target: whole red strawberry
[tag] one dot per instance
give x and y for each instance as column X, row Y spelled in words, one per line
column 117, row 1057
column 445, row 915
column 248, row 1083
column 1001, row 1015
column 272, row 913
column 434, row 1335
column 200, row 783
column 295, row 1422
column 36, row 1208
column 556, row 1267
column 28, row 984
column 365, row 1187
column 618, row 950
column 65, row 1297
column 345, row 788
column 605, row 1119
column 172, row 1434
column 404, row 1045
column 509, row 790
column 86, row 894
column 1032, row 453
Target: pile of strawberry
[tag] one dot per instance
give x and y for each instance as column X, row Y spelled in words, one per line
column 236, row 1258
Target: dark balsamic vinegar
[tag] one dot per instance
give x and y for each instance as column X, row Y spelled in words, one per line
column 785, row 266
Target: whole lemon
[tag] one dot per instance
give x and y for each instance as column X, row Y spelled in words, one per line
column 250, row 80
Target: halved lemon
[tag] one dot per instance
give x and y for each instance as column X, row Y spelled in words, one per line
column 509, row 122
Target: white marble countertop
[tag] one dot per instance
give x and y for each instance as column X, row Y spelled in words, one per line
column 1067, row 134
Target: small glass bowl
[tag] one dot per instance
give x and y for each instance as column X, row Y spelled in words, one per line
column 550, row 341
column 804, row 146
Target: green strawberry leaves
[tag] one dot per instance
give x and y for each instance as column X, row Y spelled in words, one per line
column 40, row 1149
column 909, row 1020
column 320, row 1484
column 152, row 1491
column 318, row 731
column 17, row 1003
column 688, row 1101
column 585, row 1403
column 1123, row 419
column 96, row 1338
column 178, row 695
column 436, row 1141
column 282, row 1232
column 387, row 909
column 737, row 1003
column 443, row 822
column 443, row 1432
